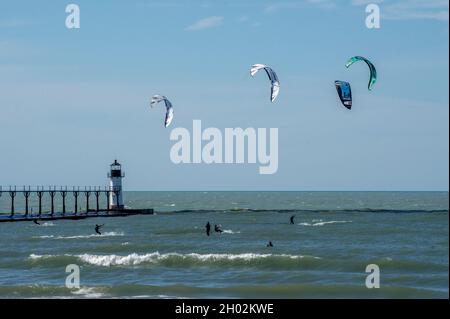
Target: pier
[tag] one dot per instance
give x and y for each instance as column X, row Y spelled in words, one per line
column 79, row 196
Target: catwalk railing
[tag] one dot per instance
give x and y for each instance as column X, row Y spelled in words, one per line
column 52, row 193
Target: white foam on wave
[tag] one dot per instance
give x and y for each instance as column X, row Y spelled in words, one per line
column 325, row 223
column 155, row 257
column 47, row 224
column 229, row 231
column 135, row 259
column 87, row 293
column 105, row 234
column 34, row 256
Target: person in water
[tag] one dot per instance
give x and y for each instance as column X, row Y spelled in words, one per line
column 36, row 221
column 97, row 228
column 270, row 244
column 217, row 229
column 292, row 219
column 208, row 228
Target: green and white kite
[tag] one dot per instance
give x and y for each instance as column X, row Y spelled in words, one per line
column 373, row 71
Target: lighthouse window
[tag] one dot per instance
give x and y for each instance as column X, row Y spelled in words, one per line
column 115, row 173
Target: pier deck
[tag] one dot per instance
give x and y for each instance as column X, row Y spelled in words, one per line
column 113, row 194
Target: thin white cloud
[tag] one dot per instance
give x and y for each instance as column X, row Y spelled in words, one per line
column 277, row 6
column 248, row 21
column 323, row 4
column 390, row 9
column 206, row 23
column 365, row 2
column 14, row 23
column 243, row 19
column 411, row 9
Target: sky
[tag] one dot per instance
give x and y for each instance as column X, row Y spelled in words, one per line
column 73, row 100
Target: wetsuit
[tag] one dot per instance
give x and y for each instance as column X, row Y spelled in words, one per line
column 208, row 228
column 97, row 229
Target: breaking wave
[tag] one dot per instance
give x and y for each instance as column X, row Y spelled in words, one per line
column 47, row 224
column 105, row 234
column 229, row 231
column 321, row 223
column 185, row 260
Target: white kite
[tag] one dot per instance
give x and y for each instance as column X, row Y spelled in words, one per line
column 169, row 109
column 272, row 77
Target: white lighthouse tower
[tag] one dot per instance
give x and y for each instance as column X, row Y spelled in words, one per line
column 115, row 186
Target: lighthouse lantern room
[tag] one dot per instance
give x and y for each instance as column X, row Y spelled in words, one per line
column 115, row 184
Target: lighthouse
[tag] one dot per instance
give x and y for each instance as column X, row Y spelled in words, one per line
column 113, row 192
column 115, row 186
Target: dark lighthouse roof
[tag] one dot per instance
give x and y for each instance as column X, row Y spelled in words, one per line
column 116, row 163
column 116, row 170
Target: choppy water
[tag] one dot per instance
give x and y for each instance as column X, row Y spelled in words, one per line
column 324, row 254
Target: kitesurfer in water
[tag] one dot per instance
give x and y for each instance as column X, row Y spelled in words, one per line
column 270, row 244
column 292, row 219
column 217, row 229
column 97, row 228
column 36, row 221
column 208, row 228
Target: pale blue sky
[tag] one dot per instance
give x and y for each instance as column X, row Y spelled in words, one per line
column 73, row 100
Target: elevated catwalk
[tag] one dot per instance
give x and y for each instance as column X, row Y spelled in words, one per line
column 112, row 193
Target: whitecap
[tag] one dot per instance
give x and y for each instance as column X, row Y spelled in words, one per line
column 322, row 223
column 105, row 234
column 332, row 222
column 87, row 292
column 155, row 257
column 47, row 224
column 35, row 256
column 229, row 231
